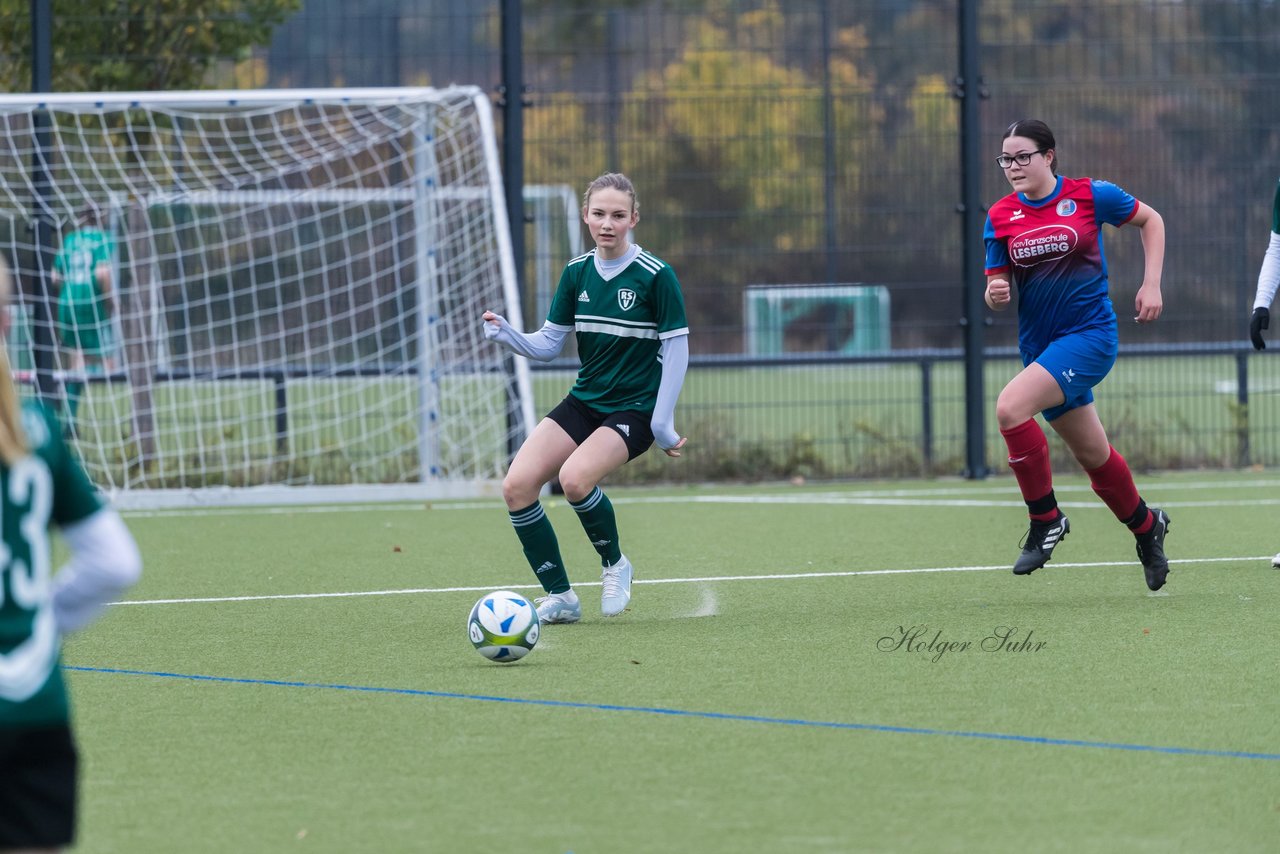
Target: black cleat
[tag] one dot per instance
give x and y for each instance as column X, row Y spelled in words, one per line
column 1151, row 550
column 1038, row 545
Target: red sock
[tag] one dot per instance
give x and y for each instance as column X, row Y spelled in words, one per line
column 1114, row 484
column 1029, row 459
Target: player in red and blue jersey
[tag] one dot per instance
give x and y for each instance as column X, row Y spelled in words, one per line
column 1045, row 239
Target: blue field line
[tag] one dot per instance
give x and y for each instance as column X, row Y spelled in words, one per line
column 684, row 713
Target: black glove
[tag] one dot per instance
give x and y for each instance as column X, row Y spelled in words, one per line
column 1261, row 319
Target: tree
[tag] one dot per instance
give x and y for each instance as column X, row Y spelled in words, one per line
column 125, row 45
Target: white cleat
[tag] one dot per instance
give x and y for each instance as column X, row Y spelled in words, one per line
column 559, row 608
column 615, row 587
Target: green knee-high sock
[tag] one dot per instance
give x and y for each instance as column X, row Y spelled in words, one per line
column 541, row 547
column 595, row 512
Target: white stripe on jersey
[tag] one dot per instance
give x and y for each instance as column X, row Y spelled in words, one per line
column 649, row 262
column 618, row 330
column 584, row 256
column 650, row 324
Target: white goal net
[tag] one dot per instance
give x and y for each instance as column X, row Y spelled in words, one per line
column 295, row 282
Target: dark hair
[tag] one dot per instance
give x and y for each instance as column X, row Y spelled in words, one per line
column 1039, row 133
column 90, row 216
column 612, row 181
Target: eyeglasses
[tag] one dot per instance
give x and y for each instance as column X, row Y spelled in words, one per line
column 1024, row 159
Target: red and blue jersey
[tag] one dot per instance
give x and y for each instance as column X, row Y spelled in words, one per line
column 1051, row 249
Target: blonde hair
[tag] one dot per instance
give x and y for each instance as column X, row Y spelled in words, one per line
column 611, row 181
column 13, row 441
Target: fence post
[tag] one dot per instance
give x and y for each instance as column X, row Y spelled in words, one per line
column 973, row 318
column 1243, row 451
column 926, row 415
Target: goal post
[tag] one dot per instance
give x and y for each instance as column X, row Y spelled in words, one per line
column 298, row 278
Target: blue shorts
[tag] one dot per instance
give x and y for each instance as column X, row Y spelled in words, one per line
column 1078, row 362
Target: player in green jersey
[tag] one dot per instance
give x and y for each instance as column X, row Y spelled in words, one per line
column 627, row 313
column 1268, row 283
column 41, row 484
column 82, row 276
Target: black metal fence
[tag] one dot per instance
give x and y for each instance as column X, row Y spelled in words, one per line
column 816, row 142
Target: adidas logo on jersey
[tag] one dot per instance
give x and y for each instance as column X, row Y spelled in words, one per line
column 582, row 297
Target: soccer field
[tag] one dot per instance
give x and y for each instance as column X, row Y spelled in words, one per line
column 815, row 668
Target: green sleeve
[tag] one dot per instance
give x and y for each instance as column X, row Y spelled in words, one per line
column 668, row 301
column 74, row 496
column 564, row 305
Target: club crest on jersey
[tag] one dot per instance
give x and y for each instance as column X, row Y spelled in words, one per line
column 1066, row 207
column 1047, row 243
column 626, row 298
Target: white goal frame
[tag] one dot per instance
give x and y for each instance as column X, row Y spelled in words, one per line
column 417, row 187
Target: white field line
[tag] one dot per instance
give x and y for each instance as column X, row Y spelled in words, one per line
column 706, row 579
column 969, row 496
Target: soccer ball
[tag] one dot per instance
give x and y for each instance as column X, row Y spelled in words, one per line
column 503, row 626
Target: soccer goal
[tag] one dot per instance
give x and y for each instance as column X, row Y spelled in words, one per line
column 298, row 278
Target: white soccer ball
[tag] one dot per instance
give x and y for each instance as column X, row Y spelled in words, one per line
column 503, row 626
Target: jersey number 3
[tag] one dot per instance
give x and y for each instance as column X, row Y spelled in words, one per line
column 24, row 559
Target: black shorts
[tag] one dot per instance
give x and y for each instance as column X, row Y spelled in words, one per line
column 37, row 787
column 580, row 421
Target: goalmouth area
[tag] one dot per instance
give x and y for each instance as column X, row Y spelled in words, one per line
column 342, row 243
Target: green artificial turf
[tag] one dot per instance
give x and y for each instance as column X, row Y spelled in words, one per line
column 755, row 697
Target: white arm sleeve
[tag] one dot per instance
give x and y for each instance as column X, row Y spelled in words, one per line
column 104, row 563
column 675, row 361
column 543, row 345
column 1269, row 276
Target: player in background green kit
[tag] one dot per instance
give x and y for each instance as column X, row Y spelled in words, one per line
column 626, row 310
column 82, row 274
column 1268, row 283
column 41, row 484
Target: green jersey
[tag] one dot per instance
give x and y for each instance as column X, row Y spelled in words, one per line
column 45, row 487
column 82, row 306
column 620, row 318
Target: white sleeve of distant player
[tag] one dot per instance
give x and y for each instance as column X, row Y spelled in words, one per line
column 104, row 564
column 543, row 345
column 1269, row 276
column 675, row 362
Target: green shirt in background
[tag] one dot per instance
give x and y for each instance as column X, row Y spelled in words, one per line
column 83, row 316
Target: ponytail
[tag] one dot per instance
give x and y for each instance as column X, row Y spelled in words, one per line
column 13, row 442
